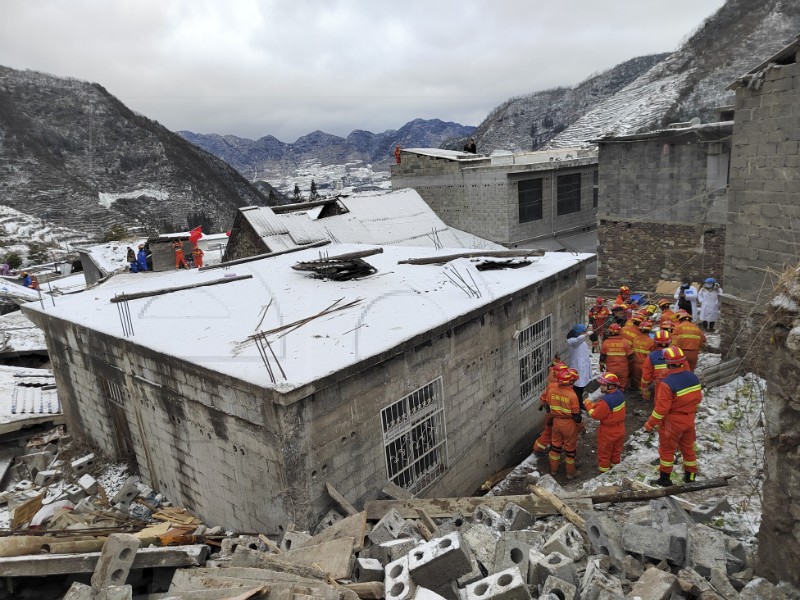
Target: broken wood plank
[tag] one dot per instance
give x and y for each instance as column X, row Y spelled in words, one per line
column 370, row 590
column 489, row 253
column 439, row 508
column 560, row 506
column 638, row 485
column 355, row 527
column 270, row 544
column 40, row 565
column 428, row 522
column 650, row 493
column 245, row 557
column 340, row 500
column 395, row 492
column 334, row 558
column 170, row 290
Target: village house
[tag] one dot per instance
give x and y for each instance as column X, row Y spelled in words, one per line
column 511, row 199
column 240, row 391
column 663, row 208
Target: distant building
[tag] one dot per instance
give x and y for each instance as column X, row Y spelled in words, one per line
column 511, row 199
column 663, row 206
column 243, row 397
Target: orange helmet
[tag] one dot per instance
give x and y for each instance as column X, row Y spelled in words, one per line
column 647, row 325
column 663, row 303
column 662, row 337
column 608, row 379
column 618, row 307
column 674, row 356
column 624, row 290
column 683, row 315
column 559, row 366
column 564, row 377
column 667, row 325
column 573, row 373
column 614, row 329
column 637, row 317
column 599, row 300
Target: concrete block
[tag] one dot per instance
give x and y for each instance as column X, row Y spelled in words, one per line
column 397, row 581
column 517, row 517
column 641, row 515
column 115, row 560
column 568, row 541
column 83, row 464
column 655, row 584
column 79, row 591
column 36, row 461
column 330, row 517
column 426, row 594
column 505, row 585
column 128, row 492
column 558, row 588
column 388, row 528
column 597, row 581
column 510, row 552
column 666, row 544
column 482, row 540
column 475, row 571
column 632, row 568
column 491, row 518
column 75, row 493
column 293, row 539
column 449, row 591
column 410, row 530
column 390, row 551
column 45, row 478
column 554, row 564
column 709, row 509
column 228, row 545
column 719, row 579
column 88, row 483
column 367, row 569
column 549, row 483
column 456, row 523
column 439, row 561
column 605, row 535
column 666, row 511
column 115, row 592
column 736, row 555
column 705, row 549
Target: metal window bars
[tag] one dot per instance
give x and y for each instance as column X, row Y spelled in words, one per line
column 534, row 357
column 124, row 310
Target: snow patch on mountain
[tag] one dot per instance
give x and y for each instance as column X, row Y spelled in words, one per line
column 106, row 200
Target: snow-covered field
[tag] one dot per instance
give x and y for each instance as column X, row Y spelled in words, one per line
column 331, row 180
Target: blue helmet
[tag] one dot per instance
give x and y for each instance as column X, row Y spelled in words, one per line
column 710, row 281
column 579, row 328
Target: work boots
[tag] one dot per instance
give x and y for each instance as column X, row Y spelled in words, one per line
column 663, row 480
column 689, row 477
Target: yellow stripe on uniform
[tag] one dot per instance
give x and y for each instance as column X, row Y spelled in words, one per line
column 688, row 390
column 619, row 408
column 655, row 415
column 666, row 463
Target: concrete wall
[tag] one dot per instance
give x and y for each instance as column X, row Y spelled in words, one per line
column 662, row 210
column 243, row 242
column 481, row 198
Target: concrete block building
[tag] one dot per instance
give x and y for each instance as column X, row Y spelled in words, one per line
column 662, row 205
column 240, row 392
column 511, row 199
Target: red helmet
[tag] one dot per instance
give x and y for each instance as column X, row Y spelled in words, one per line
column 559, row 366
column 662, row 337
column 563, row 376
column 614, row 329
column 647, row 325
column 608, row 379
column 663, row 303
column 674, row 356
column 624, row 290
column 637, row 317
column 573, row 373
column 618, row 307
column 667, row 325
column 599, row 300
column 683, row 315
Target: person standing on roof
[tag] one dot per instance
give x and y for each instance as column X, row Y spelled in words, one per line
column 141, row 259
column 708, row 299
column 177, row 246
column 610, row 411
column 580, row 357
column 397, row 153
column 471, row 146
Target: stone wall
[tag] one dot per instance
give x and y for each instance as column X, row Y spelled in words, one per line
column 640, row 253
column 243, row 242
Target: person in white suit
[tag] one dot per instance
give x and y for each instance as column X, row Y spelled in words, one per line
column 708, row 298
column 686, row 298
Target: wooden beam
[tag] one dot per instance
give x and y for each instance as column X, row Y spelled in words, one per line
column 341, row 500
column 354, row 527
column 433, row 260
column 370, row 590
column 395, row 492
column 560, row 506
column 180, row 288
column 428, row 522
column 660, row 492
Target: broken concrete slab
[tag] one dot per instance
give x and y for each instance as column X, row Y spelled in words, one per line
column 710, row 509
column 354, row 526
column 666, row 511
column 558, row 588
column 705, row 549
column 79, row 591
column 668, row 543
column 115, row 592
column 605, row 535
column 505, row 585
column 334, row 557
column 655, row 584
column 388, row 528
column 115, row 560
column 566, row 540
column 439, row 561
column 295, row 539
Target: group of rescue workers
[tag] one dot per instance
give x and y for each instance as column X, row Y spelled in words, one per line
column 660, row 367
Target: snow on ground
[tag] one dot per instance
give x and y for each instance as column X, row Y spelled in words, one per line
column 107, row 200
column 19, row 334
column 348, row 179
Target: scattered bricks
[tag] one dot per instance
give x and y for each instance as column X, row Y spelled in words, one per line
column 568, row 541
column 75, row 493
column 128, row 492
column 666, row 511
column 517, row 517
column 505, row 585
column 655, row 584
column 605, row 535
column 511, row 552
column 490, row 518
column 632, row 568
column 115, row 560
column 710, row 509
column 397, row 582
column 705, row 549
column 559, row 588
column 456, row 523
column 331, row 517
column 45, row 478
column 367, row 569
column 88, row 483
column 388, row 528
column 557, row 565
column 666, row 544
column 293, row 539
column 228, row 545
column 438, row 561
column 83, row 464
column 482, row 540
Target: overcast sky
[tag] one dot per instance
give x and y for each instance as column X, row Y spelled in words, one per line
column 290, row 67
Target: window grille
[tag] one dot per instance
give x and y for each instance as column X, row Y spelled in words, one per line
column 534, row 358
column 595, row 188
column 414, row 438
column 568, row 193
column 530, row 200
column 112, row 391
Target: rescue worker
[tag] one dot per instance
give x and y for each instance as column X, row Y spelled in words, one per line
column 25, row 279
column 598, row 315
column 654, row 368
column 677, row 398
column 667, row 314
column 197, row 253
column 642, row 346
column 141, row 258
column 624, row 296
column 610, row 411
column 618, row 315
column 667, row 326
column 688, row 337
column 631, row 329
column 397, row 153
column 177, row 246
column 616, row 354
column 566, row 416
column 542, row 443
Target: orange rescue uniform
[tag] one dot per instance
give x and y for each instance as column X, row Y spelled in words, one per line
column 689, row 337
column 177, row 245
column 563, row 404
column 616, row 354
column 598, row 316
column 198, row 256
column 667, row 315
column 642, row 346
column 654, row 368
column 610, row 411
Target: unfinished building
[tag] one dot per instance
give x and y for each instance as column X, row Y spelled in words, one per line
column 241, row 391
column 510, row 199
column 663, row 208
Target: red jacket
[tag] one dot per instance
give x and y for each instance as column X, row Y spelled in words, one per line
column 678, row 394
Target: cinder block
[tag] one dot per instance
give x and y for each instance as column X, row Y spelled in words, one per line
column 45, row 478
column 367, row 569
column 83, row 464
column 330, row 517
column 456, row 523
column 568, row 541
column 549, row 483
column 475, row 571
column 491, row 518
column 666, row 543
column 388, row 528
column 390, row 551
column 79, row 591
column 557, row 565
column 596, row 581
column 711, row 508
column 666, row 511
column 115, row 560
column 397, row 581
column 88, row 483
column 293, row 539
column 75, row 493
column 505, row 585
column 510, row 552
column 115, row 592
column 655, row 584
column 128, row 492
column 558, row 588
column 409, row 530
column 517, row 517
column 605, row 535
column 228, row 545
column 482, row 540
column 705, row 549
column 439, row 561
column 632, row 568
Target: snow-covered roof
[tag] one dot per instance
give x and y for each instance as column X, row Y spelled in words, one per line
column 211, row 326
column 16, row 293
column 27, row 397
column 111, row 256
column 400, row 218
column 448, row 154
column 19, row 335
column 702, row 131
column 785, row 56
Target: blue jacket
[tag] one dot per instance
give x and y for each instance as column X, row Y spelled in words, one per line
column 141, row 259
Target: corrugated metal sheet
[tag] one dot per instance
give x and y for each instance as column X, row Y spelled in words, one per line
column 35, row 400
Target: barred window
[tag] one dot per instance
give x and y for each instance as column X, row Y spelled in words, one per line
column 568, row 193
column 414, row 438
column 534, row 358
column 530, row 200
